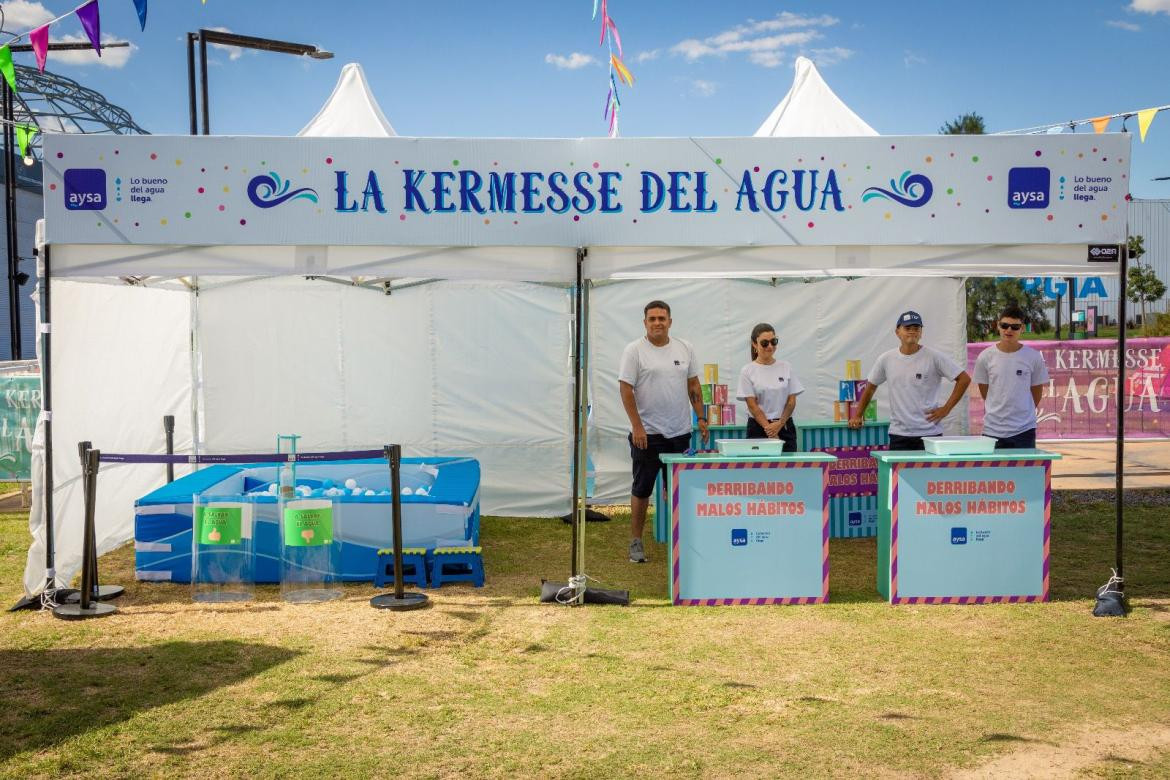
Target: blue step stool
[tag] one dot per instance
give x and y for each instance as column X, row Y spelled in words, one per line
column 457, row 564
column 414, row 566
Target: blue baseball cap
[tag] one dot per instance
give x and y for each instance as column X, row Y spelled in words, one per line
column 909, row 318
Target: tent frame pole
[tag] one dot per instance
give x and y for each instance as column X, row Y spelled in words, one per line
column 46, row 335
column 580, row 400
column 1119, row 487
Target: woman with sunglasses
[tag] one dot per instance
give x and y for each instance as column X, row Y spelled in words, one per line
column 769, row 389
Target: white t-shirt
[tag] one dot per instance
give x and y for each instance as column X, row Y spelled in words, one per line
column 913, row 382
column 769, row 385
column 659, row 377
column 1009, row 376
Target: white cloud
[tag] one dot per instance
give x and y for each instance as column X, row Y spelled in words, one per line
column 765, row 42
column 111, row 58
column 910, row 59
column 21, row 15
column 1150, row 6
column 1124, row 25
column 704, row 88
column 830, row 56
column 233, row 52
column 647, row 56
column 572, row 62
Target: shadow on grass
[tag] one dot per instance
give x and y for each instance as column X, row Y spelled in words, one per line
column 53, row 695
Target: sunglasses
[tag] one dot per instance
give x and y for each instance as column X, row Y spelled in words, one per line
column 1010, row 326
column 769, row 342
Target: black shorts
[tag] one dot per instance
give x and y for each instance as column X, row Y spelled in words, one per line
column 647, row 466
column 1020, row 441
column 906, row 443
column 787, row 433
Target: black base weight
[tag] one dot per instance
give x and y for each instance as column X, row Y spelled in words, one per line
column 407, row 602
column 104, row 593
column 75, row 612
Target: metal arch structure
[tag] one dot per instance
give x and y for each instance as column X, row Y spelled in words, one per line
column 54, row 103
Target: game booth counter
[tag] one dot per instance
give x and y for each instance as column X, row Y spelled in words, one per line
column 559, row 212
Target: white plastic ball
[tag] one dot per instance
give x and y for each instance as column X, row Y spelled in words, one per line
column 351, row 483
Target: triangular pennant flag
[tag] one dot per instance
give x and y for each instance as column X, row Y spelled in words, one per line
column 91, row 22
column 613, row 33
column 1145, row 117
column 623, row 72
column 1100, row 123
column 39, row 38
column 140, row 6
column 594, row 9
column 6, row 66
column 24, row 134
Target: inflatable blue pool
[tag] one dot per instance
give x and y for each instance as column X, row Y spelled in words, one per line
column 440, row 507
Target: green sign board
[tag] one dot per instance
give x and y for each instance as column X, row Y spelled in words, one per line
column 308, row 527
column 219, row 524
column 20, row 403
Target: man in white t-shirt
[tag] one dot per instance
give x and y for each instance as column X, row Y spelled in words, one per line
column 1011, row 378
column 914, row 374
column 659, row 382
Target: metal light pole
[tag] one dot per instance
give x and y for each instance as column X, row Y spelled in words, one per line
column 205, row 37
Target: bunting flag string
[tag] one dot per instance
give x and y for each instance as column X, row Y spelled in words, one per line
column 1099, row 124
column 90, row 17
column 611, row 37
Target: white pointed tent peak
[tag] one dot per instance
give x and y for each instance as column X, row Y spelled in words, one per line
column 351, row 111
column 811, row 109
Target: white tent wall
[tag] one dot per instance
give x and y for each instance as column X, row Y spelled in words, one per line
column 820, row 325
column 120, row 362
column 444, row 368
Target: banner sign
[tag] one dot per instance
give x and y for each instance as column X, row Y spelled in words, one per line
column 19, row 407
column 970, row 530
column 854, row 473
column 749, row 532
column 1080, row 400
column 890, row 190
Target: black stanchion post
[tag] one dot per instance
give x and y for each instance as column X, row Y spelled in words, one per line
column 97, row 591
column 88, row 606
column 169, row 433
column 399, row 600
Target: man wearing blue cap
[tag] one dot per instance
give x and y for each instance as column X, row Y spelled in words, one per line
column 914, row 373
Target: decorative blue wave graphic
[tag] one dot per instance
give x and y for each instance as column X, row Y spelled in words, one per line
column 911, row 190
column 268, row 190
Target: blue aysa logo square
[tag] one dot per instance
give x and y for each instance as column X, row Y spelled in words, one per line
column 85, row 189
column 738, row 537
column 958, row 536
column 1028, row 188
column 854, row 519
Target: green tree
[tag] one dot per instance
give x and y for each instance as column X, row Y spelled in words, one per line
column 965, row 124
column 1142, row 284
column 986, row 298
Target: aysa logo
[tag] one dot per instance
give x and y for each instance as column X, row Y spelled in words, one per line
column 1028, row 188
column 958, row 536
column 738, row 537
column 85, row 189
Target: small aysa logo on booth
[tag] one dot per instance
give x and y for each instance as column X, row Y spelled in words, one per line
column 268, row 190
column 85, row 189
column 1028, row 188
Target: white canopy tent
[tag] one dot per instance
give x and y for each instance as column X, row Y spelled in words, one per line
column 419, row 366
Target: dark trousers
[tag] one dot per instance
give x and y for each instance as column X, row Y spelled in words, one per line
column 1020, row 441
column 787, row 433
column 906, row 443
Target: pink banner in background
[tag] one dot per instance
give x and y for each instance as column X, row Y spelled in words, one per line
column 1080, row 399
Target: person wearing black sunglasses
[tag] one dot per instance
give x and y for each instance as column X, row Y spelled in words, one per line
column 769, row 389
column 1011, row 378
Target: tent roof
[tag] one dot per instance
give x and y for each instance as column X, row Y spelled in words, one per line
column 351, row 110
column 811, row 109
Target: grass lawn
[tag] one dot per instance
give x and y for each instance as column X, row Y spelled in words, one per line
column 489, row 683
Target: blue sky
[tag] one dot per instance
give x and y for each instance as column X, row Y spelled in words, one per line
column 526, row 68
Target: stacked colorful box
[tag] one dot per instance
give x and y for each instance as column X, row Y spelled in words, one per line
column 716, row 408
column 849, row 392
